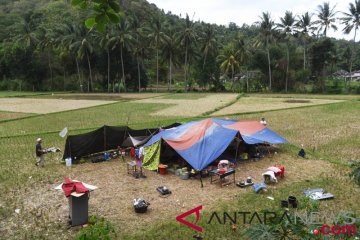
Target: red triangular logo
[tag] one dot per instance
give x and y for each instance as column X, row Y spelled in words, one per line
column 196, row 210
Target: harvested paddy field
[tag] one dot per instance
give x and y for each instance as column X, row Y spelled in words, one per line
column 257, row 104
column 194, row 105
column 102, row 96
column 35, row 105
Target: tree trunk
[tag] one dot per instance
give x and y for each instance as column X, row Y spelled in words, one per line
column 287, row 69
column 247, row 81
column 304, row 55
column 108, row 73
column 351, row 57
column 185, row 69
column 170, row 72
column 51, row 71
column 138, row 67
column 122, row 68
column 64, row 80
column 78, row 71
column 157, row 69
column 90, row 85
column 269, row 63
column 204, row 61
column 232, row 78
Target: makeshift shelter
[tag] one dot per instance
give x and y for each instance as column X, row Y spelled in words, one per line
column 201, row 142
column 107, row 138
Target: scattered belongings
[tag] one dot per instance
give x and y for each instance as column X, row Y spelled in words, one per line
column 197, row 237
column 163, row 190
column 78, row 197
column 131, row 168
column 162, row 169
column 244, row 184
column 273, row 172
column 53, row 149
column 284, row 204
column 269, row 177
column 293, row 201
column 302, row 151
column 259, row 186
column 140, row 205
column 222, row 173
column 318, row 194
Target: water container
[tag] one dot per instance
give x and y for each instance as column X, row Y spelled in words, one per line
column 68, row 162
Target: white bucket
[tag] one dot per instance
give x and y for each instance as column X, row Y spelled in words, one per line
column 68, row 162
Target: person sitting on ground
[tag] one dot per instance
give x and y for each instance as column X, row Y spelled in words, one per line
column 39, row 153
column 263, row 121
column 302, row 151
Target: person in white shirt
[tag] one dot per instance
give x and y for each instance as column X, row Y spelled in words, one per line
column 263, row 121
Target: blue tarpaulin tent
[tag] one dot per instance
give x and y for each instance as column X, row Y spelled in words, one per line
column 201, row 142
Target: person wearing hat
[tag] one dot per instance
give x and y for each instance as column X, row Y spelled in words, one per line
column 39, row 153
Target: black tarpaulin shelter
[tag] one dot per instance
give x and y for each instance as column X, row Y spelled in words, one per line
column 103, row 139
column 107, row 138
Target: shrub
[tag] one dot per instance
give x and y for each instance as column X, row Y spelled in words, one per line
column 97, row 229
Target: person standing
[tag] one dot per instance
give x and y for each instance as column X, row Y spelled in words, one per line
column 39, row 153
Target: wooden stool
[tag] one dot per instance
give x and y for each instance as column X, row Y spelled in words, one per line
column 131, row 166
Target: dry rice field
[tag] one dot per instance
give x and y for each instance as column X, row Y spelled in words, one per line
column 190, row 107
column 255, row 104
column 41, row 106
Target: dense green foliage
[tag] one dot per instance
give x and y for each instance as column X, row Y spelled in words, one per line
column 105, row 46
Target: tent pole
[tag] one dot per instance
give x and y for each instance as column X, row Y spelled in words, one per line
column 104, row 138
column 70, row 148
column 237, row 147
column 202, row 185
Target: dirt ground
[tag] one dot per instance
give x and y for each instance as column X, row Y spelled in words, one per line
column 117, row 189
column 36, row 105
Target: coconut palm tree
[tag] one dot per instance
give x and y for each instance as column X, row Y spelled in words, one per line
column 72, row 33
column 46, row 43
column 326, row 18
column 85, row 49
column 266, row 37
column 229, row 61
column 139, row 46
column 187, row 37
column 287, row 26
column 156, row 37
column 124, row 40
column 169, row 51
column 352, row 22
column 242, row 51
column 304, row 27
column 104, row 43
column 208, row 41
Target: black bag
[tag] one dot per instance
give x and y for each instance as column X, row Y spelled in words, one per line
column 140, row 205
column 163, row 190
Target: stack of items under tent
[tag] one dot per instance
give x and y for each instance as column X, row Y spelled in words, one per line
column 106, row 138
